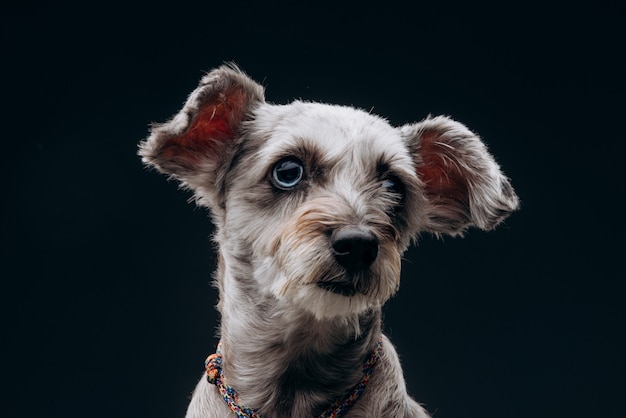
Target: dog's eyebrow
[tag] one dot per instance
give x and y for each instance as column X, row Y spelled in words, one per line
column 305, row 149
column 385, row 163
column 382, row 165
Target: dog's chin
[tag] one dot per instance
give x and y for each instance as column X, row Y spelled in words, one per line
column 349, row 284
column 343, row 289
column 328, row 294
column 329, row 300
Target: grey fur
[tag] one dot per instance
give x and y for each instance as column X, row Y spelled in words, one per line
column 291, row 347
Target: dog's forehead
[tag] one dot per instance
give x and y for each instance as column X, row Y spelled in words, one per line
column 335, row 130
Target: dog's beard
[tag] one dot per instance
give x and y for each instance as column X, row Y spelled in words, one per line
column 340, row 281
column 346, row 284
column 302, row 269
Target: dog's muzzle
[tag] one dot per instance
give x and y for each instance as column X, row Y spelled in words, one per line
column 355, row 250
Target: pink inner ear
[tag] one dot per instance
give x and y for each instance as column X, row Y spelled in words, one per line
column 216, row 122
column 439, row 170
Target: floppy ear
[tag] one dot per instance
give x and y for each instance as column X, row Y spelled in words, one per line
column 463, row 184
column 200, row 138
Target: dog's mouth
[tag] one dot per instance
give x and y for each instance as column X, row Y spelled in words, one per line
column 348, row 287
column 343, row 289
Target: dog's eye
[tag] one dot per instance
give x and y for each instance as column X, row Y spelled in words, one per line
column 395, row 191
column 389, row 184
column 287, row 173
column 393, row 185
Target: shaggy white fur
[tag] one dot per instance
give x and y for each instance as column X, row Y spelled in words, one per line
column 314, row 206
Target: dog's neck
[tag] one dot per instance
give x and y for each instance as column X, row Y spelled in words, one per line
column 281, row 359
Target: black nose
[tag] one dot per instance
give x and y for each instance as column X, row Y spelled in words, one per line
column 354, row 248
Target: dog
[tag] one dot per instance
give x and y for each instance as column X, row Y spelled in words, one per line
column 314, row 205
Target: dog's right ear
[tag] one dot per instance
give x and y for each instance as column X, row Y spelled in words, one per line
column 197, row 141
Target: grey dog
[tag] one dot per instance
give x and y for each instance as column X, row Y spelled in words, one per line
column 314, row 205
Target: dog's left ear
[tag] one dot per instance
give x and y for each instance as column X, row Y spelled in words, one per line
column 463, row 184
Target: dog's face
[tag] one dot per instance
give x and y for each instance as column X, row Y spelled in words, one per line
column 318, row 202
column 326, row 199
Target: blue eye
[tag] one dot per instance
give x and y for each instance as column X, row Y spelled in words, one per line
column 392, row 184
column 389, row 184
column 287, row 173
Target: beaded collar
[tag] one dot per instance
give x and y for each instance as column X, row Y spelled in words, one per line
column 215, row 375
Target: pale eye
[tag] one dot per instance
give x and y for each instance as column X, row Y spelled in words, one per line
column 287, row 173
column 392, row 184
column 388, row 184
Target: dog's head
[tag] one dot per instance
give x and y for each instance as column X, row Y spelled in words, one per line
column 318, row 202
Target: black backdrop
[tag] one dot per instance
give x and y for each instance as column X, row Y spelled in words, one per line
column 106, row 306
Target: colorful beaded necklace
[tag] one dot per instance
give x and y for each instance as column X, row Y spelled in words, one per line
column 215, row 375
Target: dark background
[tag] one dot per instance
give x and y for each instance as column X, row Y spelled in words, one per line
column 106, row 307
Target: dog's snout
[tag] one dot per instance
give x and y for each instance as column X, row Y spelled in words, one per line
column 354, row 248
